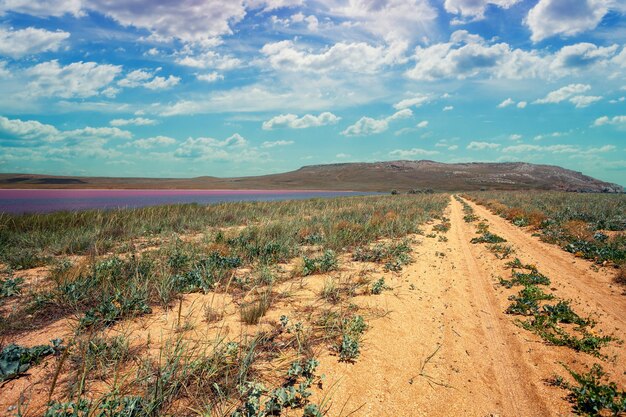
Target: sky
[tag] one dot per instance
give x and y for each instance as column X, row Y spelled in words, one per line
column 184, row 88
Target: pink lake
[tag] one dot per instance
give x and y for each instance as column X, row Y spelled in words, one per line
column 43, row 201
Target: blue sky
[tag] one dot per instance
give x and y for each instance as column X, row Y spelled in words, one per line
column 182, row 88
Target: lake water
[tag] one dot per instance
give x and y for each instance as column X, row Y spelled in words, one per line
column 42, row 201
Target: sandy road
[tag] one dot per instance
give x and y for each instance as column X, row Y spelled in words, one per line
column 447, row 348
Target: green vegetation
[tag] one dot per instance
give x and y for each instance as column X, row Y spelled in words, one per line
column 393, row 255
column 592, row 394
column 556, row 323
column 133, row 262
column 577, row 222
column 15, row 360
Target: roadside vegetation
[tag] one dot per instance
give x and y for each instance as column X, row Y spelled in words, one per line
column 108, row 273
column 591, row 226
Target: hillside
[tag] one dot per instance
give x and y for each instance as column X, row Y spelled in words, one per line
column 375, row 176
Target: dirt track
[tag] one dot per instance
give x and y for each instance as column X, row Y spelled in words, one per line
column 447, row 348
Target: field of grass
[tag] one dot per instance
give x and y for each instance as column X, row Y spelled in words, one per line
column 105, row 271
column 591, row 226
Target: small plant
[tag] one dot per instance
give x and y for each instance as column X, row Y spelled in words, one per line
column 325, row 263
column 331, row 291
column 15, row 360
column 252, row 312
column 526, row 302
column 501, row 251
column 488, row 237
column 379, row 286
column 352, row 330
column 11, row 286
column 592, row 394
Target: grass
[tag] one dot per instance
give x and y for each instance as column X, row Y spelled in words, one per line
column 576, row 222
column 132, row 262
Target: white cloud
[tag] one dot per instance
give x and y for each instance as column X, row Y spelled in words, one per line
column 142, row 78
column 564, row 93
column 233, row 148
column 273, row 144
column 343, row 156
column 582, row 55
column 606, row 120
column 558, row 149
column 29, row 129
column 415, row 101
column 478, row 146
column 211, row 77
column 475, row 8
column 29, row 41
column 467, row 55
column 584, row 101
column 522, row 105
column 294, row 122
column 515, row 136
column 43, row 8
column 197, row 21
column 269, row 5
column 153, row 142
column 392, row 20
column 33, row 130
column 506, row 103
column 448, row 108
column 565, row 17
column 136, row 121
column 96, row 133
column 410, row 153
column 209, row 59
column 356, row 57
column 79, row 79
column 422, row 124
column 161, row 83
column 368, row 126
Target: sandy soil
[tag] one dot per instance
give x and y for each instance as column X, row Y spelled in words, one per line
column 438, row 344
column 447, row 348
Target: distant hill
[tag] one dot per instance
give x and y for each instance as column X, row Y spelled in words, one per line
column 375, row 176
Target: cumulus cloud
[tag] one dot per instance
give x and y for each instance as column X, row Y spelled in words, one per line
column 391, row 20
column 43, row 8
column 136, row 121
column 522, row 104
column 209, row 59
column 467, row 55
column 233, row 148
column 415, row 101
column 29, row 129
column 153, row 142
column 506, row 103
column 211, row 77
column 29, row 41
column 565, row 17
column 146, row 79
column 479, row 146
column 33, row 130
column 79, row 79
column 564, row 93
column 355, row 57
column 411, row 153
column 275, row 143
column 475, row 8
column 368, row 126
column 582, row 55
column 423, row 124
column 294, row 122
column 448, row 108
column 606, row 120
column 584, row 101
column 161, row 83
